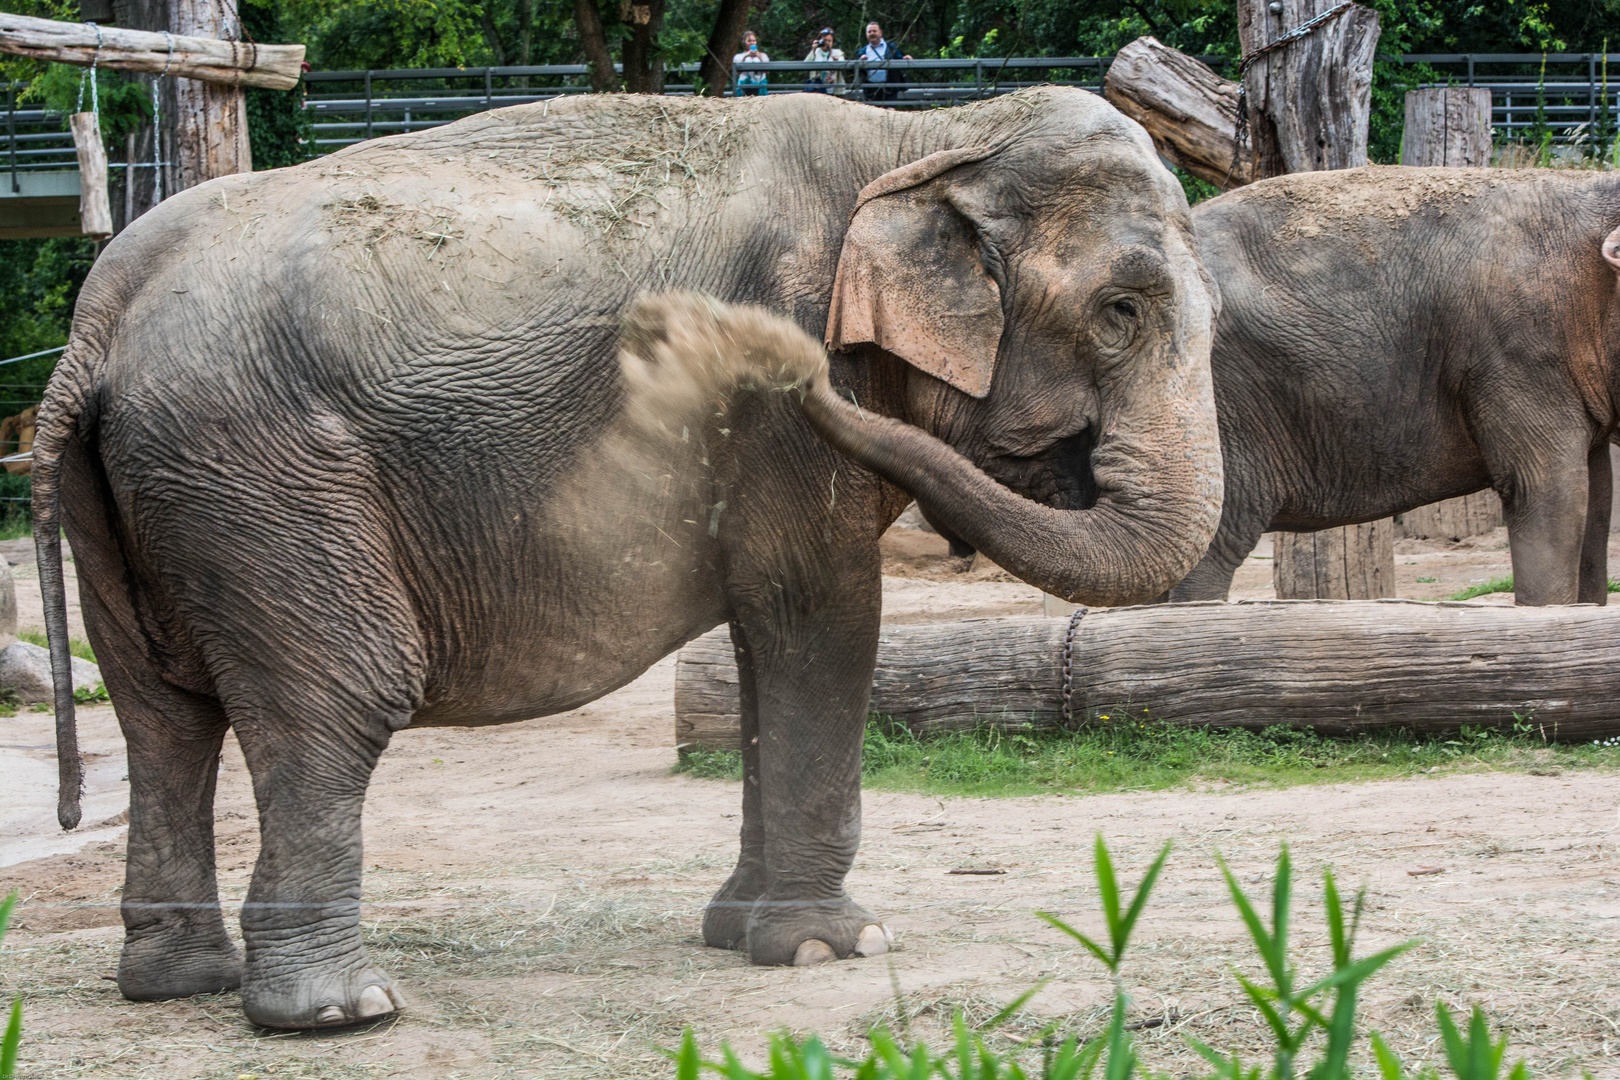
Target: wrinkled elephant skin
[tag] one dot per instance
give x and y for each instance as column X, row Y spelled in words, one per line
column 350, row 446
column 1389, row 337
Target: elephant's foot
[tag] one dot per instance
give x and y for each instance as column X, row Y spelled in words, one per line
column 805, row 932
column 177, row 961
column 327, row 995
column 725, row 920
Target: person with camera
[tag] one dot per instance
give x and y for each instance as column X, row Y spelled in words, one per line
column 827, row 81
column 750, row 83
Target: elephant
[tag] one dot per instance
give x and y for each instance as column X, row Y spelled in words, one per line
column 351, row 446
column 1389, row 337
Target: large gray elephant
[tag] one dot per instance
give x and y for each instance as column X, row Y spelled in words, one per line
column 1389, row 337
column 347, row 447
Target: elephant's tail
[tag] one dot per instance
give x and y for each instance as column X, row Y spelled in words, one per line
column 58, row 425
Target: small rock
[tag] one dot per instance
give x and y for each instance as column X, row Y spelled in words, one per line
column 26, row 669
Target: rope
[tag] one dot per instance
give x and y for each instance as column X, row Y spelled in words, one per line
column 1068, row 666
column 1303, row 30
column 95, row 104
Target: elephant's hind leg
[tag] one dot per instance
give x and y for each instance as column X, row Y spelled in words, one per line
column 175, row 943
column 306, row 966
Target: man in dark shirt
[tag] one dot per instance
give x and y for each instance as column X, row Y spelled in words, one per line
column 881, row 83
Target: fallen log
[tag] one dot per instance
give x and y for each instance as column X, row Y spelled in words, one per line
column 1190, row 111
column 1334, row 666
column 236, row 63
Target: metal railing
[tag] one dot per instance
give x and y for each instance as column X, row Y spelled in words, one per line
column 1564, row 96
column 1560, row 95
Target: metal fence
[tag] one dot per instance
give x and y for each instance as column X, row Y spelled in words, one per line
column 1561, row 96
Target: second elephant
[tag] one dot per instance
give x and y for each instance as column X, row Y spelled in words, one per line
column 1390, row 337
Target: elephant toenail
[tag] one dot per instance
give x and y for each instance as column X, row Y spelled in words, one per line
column 331, row 1014
column 874, row 940
column 813, row 951
column 374, row 1001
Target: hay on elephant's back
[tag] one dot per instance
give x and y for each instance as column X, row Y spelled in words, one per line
column 611, row 168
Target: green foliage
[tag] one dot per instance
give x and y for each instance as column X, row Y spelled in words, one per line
column 1503, row 584
column 13, row 1034
column 1314, row 1020
column 77, row 646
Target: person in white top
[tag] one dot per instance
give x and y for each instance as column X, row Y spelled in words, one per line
column 824, row 82
column 750, row 83
column 880, row 82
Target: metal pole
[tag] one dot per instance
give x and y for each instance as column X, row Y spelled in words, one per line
column 11, row 132
column 368, row 104
column 978, row 78
column 1470, row 60
column 489, row 87
column 1591, row 95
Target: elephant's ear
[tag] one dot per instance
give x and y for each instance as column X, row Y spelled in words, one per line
column 911, row 279
column 1611, row 249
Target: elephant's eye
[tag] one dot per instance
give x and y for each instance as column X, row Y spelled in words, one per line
column 1126, row 308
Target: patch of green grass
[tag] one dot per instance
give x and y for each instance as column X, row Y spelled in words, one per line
column 16, row 523
column 1149, row 755
column 1504, row 584
column 1501, row 584
column 711, row 764
column 77, row 646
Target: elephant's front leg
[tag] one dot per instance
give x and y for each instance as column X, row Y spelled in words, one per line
column 305, row 964
column 810, row 655
column 1594, row 587
column 1545, row 505
column 725, row 920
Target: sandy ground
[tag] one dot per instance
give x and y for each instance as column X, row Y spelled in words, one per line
column 535, row 890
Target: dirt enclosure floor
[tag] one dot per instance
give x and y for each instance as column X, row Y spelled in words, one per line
column 535, row 890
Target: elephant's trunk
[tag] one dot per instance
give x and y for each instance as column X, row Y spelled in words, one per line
column 1157, row 465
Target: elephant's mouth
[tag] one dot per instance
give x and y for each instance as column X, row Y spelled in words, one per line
column 1059, row 477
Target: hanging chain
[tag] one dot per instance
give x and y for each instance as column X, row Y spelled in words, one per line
column 1303, row 30
column 95, row 103
column 1068, row 666
column 157, row 124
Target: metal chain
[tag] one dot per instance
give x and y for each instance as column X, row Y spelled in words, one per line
column 95, row 105
column 1303, row 30
column 1068, row 666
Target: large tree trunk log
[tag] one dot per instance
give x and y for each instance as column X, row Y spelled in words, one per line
column 1450, row 125
column 1335, row 667
column 230, row 62
column 1190, row 111
column 1310, row 100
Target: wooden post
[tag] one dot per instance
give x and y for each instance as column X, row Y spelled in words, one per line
column 210, row 119
column 1352, row 563
column 204, row 124
column 1447, row 125
column 1310, row 100
column 1333, row 666
column 1309, row 105
column 1450, row 125
column 95, row 213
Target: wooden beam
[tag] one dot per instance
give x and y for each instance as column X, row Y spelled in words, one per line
column 1334, row 666
column 1190, row 111
column 234, row 63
